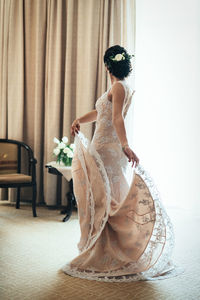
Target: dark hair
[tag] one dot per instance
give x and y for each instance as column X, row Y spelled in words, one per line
column 119, row 69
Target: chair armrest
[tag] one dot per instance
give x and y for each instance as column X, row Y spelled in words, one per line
column 33, row 160
column 32, row 169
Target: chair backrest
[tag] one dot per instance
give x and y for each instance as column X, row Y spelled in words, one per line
column 10, row 156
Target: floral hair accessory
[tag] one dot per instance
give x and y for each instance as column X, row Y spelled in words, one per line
column 120, row 57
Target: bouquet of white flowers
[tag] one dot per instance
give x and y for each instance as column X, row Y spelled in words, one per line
column 63, row 151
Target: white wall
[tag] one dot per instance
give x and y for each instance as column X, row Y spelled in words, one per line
column 166, row 108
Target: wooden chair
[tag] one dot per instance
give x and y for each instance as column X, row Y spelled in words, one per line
column 10, row 169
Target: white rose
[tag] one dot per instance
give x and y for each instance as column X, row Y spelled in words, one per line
column 65, row 139
column 68, row 152
column 56, row 140
column 56, row 151
column 72, row 146
column 61, row 145
column 119, row 57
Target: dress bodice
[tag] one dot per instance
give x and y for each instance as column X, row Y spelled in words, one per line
column 104, row 130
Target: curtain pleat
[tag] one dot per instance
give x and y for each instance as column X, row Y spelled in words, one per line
column 52, row 71
column 4, row 26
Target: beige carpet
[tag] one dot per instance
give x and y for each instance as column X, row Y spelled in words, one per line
column 32, row 251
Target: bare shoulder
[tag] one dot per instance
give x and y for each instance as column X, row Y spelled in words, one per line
column 118, row 90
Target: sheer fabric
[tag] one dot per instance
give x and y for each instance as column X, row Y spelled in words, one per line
column 126, row 234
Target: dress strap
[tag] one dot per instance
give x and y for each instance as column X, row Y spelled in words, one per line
column 128, row 91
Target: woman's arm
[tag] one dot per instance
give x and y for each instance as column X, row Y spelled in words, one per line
column 118, row 95
column 87, row 118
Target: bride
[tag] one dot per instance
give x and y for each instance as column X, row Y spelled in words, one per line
column 126, row 234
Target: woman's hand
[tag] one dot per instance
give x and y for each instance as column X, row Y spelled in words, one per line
column 131, row 155
column 75, row 127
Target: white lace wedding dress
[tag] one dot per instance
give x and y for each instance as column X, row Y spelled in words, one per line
column 126, row 234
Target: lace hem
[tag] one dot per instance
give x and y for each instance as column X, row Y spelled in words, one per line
column 86, row 143
column 122, row 278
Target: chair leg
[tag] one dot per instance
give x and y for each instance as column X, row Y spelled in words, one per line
column 34, row 200
column 18, row 198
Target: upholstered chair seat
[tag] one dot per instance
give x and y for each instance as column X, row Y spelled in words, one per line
column 14, row 178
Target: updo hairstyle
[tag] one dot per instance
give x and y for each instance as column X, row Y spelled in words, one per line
column 118, row 61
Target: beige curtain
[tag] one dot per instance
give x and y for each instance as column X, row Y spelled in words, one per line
column 52, row 71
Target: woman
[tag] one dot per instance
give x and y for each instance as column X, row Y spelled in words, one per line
column 126, row 234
